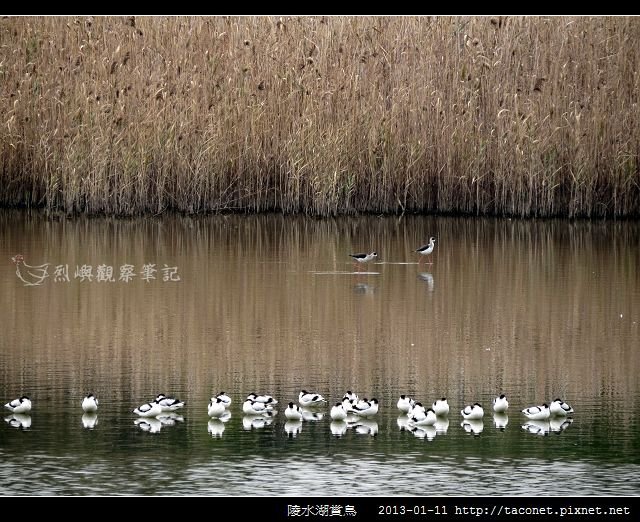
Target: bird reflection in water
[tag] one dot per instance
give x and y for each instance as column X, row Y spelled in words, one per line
column 427, row 277
column 19, row 420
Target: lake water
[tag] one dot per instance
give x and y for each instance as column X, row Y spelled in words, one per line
column 273, row 304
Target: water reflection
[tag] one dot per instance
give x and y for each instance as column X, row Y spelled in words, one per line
column 473, row 426
column 364, row 289
column 215, row 427
column 500, row 420
column 537, row 427
column 338, row 428
column 365, row 427
column 225, row 417
column 309, row 414
column 559, row 424
column 19, row 420
column 89, row 420
column 441, row 425
column 292, row 428
column 170, row 419
column 403, row 422
column 427, row 277
column 421, row 432
column 256, row 422
column 148, row 424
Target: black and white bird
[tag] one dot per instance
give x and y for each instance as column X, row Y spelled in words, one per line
column 559, row 408
column 21, row 405
column 216, row 409
column 362, row 258
column 168, row 403
column 150, row 409
column 293, row 412
column 366, row 408
column 264, row 399
column 500, row 404
column 472, row 412
column 338, row 413
column 90, row 404
column 427, row 249
column 441, row 407
column 405, row 403
column 250, row 407
column 537, row 412
column 224, row 398
column 307, row 399
column 426, row 418
column 351, row 396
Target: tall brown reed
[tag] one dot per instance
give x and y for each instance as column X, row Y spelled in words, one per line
column 322, row 115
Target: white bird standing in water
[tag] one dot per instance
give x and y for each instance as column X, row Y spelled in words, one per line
column 348, row 405
column 417, row 407
column 90, row 404
column 474, row 412
column 405, row 403
column 428, row 418
column 226, row 400
column 350, row 396
column 500, row 404
column 560, row 408
column 293, row 412
column 338, row 412
column 366, row 408
column 426, row 250
column 151, row 409
column 216, row 408
column 364, row 258
column 537, row 412
column 307, row 399
column 250, row 407
column 441, row 407
column 168, row 403
column 264, row 399
column 21, row 405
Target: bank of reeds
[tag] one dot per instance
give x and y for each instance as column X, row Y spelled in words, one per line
column 322, row 115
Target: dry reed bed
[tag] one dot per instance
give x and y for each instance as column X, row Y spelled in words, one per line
column 322, row 115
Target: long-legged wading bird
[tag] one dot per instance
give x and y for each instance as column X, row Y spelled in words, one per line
column 364, row 258
column 426, row 250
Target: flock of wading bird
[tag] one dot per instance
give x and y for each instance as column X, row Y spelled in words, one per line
column 350, row 412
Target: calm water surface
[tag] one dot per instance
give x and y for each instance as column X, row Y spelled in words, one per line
column 534, row 309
